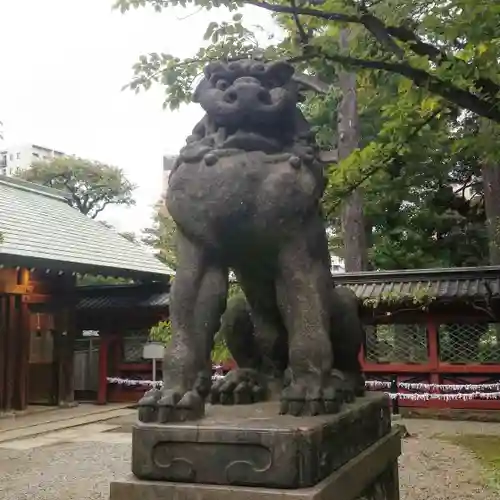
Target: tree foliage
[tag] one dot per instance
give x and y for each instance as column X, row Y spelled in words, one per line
column 97, row 280
column 450, row 48
column 92, row 186
column 161, row 236
column 432, row 213
column 162, row 332
column 426, row 208
column 427, row 78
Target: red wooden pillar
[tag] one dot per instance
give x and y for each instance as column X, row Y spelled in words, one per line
column 432, row 332
column 11, row 352
column 22, row 326
column 361, row 357
column 117, row 351
column 3, row 351
column 64, row 357
column 103, row 369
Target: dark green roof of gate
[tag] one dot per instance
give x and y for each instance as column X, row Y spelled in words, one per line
column 443, row 284
column 40, row 230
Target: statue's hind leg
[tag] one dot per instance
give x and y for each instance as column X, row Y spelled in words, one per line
column 260, row 351
column 347, row 334
column 197, row 301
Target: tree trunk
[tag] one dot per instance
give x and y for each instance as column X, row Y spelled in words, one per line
column 352, row 217
column 491, row 185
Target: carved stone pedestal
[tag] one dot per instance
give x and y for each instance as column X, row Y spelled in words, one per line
column 246, row 453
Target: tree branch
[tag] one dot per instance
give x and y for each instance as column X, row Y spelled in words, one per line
column 378, row 29
column 97, row 211
column 487, row 106
column 421, row 78
column 303, row 36
column 374, row 25
column 421, row 48
column 285, row 9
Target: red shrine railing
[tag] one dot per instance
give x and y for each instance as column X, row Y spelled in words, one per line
column 434, row 364
column 437, row 364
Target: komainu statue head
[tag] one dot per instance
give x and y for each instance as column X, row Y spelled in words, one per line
column 250, row 105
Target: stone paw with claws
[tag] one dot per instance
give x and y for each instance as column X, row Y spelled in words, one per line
column 171, row 405
column 239, row 387
column 309, row 396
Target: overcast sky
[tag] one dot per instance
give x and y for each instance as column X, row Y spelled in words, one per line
column 63, row 63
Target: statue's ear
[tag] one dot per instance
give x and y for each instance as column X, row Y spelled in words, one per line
column 280, row 72
column 203, row 86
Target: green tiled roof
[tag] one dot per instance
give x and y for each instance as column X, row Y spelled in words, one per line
column 444, row 284
column 39, row 229
column 113, row 297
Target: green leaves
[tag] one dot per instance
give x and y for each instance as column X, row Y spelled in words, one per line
column 429, row 44
column 228, row 40
column 162, row 332
column 159, row 5
column 161, row 236
column 435, row 45
column 418, row 65
column 92, row 185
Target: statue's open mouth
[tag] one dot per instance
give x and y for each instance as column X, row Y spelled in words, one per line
column 249, row 140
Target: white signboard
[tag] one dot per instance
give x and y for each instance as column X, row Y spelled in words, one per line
column 153, row 350
column 90, row 333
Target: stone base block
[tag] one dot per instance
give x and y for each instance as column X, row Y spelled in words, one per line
column 255, row 446
column 372, row 475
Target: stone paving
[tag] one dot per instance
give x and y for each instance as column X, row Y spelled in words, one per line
column 78, row 464
column 98, row 433
column 41, row 415
column 28, row 426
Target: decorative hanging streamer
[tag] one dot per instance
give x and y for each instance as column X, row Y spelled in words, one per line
column 372, row 384
column 381, row 384
column 426, row 396
column 146, row 383
column 423, row 396
column 134, row 382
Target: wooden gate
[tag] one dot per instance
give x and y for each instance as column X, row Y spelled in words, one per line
column 42, row 372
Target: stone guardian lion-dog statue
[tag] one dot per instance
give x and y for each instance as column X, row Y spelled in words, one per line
column 245, row 195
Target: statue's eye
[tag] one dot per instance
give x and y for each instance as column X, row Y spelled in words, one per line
column 222, row 84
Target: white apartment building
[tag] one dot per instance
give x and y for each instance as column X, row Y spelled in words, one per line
column 338, row 265
column 14, row 158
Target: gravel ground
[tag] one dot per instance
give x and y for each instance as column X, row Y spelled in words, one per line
column 430, row 469
column 68, row 471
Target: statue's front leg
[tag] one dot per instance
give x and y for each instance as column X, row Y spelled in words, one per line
column 197, row 301
column 304, row 291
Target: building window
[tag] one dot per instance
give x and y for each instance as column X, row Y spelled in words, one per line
column 11, row 157
column 18, row 156
column 36, row 155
